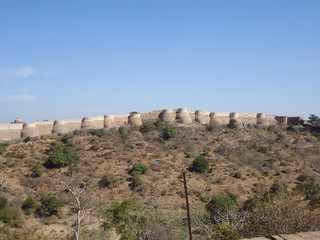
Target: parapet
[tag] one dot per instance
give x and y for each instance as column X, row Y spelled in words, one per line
column 282, row 120
column 295, row 120
column 10, row 131
column 180, row 115
column 121, row 119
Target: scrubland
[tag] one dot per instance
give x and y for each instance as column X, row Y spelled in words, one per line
column 252, row 181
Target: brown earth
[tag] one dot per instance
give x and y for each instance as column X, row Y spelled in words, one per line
column 243, row 161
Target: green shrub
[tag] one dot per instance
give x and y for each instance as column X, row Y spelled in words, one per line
column 291, row 128
column 124, row 133
column 253, row 201
column 138, row 169
column 16, row 154
column 262, row 149
column 67, row 138
column 3, row 202
column 277, row 188
column 3, row 147
column 158, row 123
column 147, row 127
column 211, row 127
column 314, row 120
column 270, row 128
column 36, row 172
column 237, row 175
column 163, row 192
column 286, row 171
column 200, row 164
column 302, row 178
column 136, row 181
column 50, row 205
column 29, row 205
column 168, row 132
column 27, row 139
column 95, row 144
column 122, row 216
column 53, row 146
column 108, row 180
column 61, row 156
column 280, row 137
column 222, row 204
column 317, row 135
column 221, row 149
column 232, row 124
column 76, row 132
column 309, row 188
column 5, row 216
column 97, row 132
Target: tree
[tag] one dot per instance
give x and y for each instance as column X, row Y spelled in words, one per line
column 80, row 202
column 29, row 205
column 138, row 169
column 132, row 221
column 50, row 205
column 314, row 120
column 168, row 132
column 232, row 124
column 61, row 156
column 200, row 164
column 222, row 204
column 108, row 180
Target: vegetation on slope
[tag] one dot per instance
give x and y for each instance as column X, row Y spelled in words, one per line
column 243, row 182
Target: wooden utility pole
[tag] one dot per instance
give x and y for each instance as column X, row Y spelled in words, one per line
column 187, row 202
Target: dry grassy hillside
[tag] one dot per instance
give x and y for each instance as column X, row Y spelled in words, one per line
column 242, row 161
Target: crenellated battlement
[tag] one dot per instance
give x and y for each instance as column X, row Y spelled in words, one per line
column 183, row 116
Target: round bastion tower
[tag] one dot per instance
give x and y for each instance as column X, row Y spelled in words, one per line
column 214, row 118
column 29, row 130
column 88, row 123
column 59, row 126
column 201, row 118
column 109, row 121
column 167, row 116
column 183, row 116
column 262, row 120
column 135, row 119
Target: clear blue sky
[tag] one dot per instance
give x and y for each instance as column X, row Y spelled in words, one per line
column 64, row 59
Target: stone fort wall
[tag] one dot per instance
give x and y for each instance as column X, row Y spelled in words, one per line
column 183, row 116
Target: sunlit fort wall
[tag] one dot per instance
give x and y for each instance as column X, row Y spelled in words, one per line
column 181, row 116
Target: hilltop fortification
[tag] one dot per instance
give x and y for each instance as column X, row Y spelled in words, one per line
column 18, row 129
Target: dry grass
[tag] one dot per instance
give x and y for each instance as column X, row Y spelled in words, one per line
column 256, row 156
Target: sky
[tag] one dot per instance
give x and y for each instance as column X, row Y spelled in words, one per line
column 62, row 59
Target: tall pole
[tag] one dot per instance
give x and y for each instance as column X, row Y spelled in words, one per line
column 187, row 203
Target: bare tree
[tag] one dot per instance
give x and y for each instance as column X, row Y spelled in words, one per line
column 81, row 203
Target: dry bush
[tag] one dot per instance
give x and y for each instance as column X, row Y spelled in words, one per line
column 280, row 214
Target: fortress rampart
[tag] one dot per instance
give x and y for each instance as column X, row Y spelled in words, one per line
column 183, row 116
